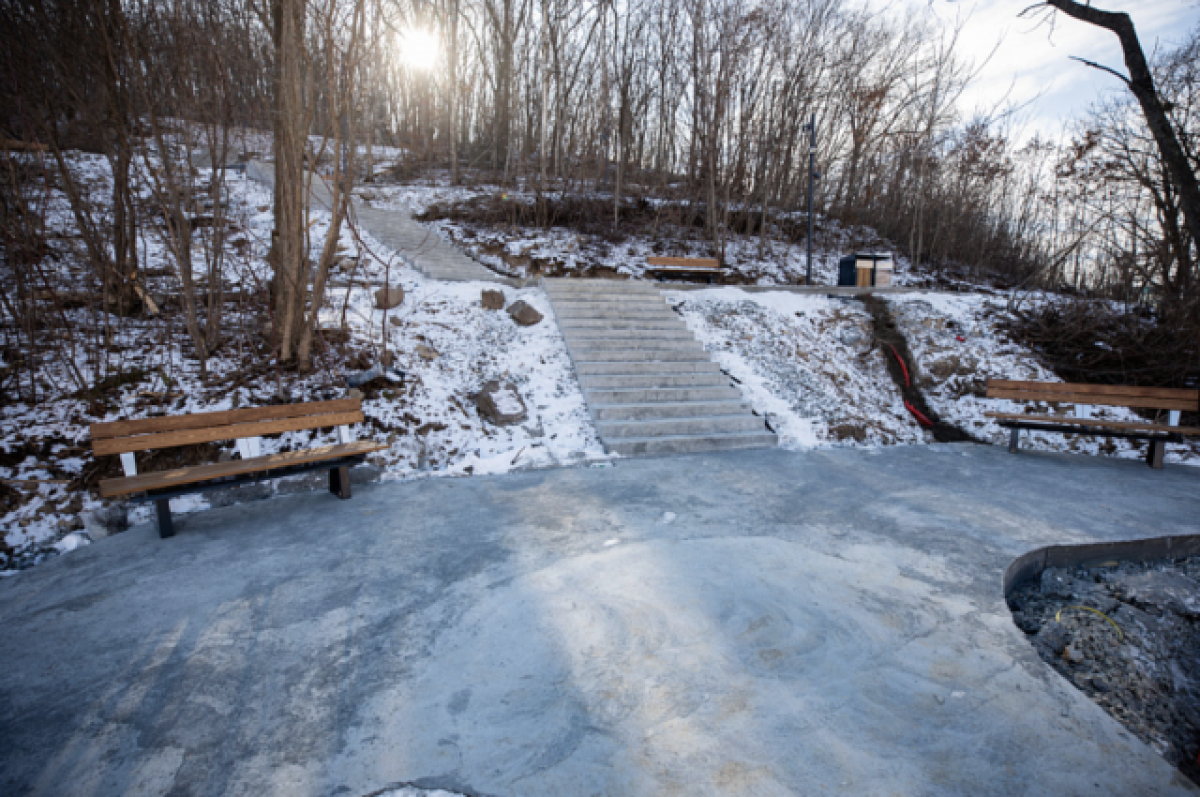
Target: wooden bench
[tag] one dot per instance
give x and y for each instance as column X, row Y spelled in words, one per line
column 1172, row 400
column 246, row 426
column 705, row 267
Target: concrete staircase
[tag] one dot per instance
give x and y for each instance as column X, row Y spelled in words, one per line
column 650, row 386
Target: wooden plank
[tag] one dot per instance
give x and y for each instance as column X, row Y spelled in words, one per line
column 236, row 467
column 200, row 420
column 1156, row 392
column 1181, row 394
column 1107, row 395
column 1070, row 420
column 1102, row 400
column 188, row 437
column 686, row 263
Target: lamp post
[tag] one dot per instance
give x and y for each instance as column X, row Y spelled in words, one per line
column 812, row 154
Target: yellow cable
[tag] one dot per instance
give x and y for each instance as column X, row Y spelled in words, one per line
column 1120, row 635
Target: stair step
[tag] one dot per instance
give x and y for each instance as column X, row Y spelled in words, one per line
column 686, row 444
column 618, row 323
column 674, row 427
column 644, row 395
column 679, row 409
column 630, row 344
column 592, row 333
column 626, row 355
column 623, row 313
column 610, row 381
column 649, row 384
column 587, row 368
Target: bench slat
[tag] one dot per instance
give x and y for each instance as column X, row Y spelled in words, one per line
column 200, row 420
column 110, row 488
column 1108, row 395
column 1068, row 420
column 186, row 437
column 686, row 263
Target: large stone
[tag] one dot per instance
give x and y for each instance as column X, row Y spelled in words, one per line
column 493, row 300
column 501, row 403
column 524, row 314
column 387, row 298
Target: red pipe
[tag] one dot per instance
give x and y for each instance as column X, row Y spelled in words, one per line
column 903, row 367
column 921, row 419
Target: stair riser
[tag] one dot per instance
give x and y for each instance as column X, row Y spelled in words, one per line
column 690, row 445
column 652, row 381
column 636, row 301
column 591, row 333
column 681, row 426
column 578, row 287
column 648, row 395
column 615, row 314
column 639, row 355
column 607, row 323
column 651, row 412
column 597, row 345
column 631, row 369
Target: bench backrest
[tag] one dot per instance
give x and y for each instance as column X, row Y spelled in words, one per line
column 693, row 263
column 1157, row 398
column 120, row 437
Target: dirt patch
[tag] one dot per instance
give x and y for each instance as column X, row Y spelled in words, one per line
column 903, row 371
column 1128, row 636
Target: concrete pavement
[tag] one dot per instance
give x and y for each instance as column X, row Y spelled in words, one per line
column 749, row 622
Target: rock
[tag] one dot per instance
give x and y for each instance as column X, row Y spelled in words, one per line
column 1053, row 637
column 847, row 431
column 1174, row 592
column 354, row 393
column 501, row 403
column 493, row 300
column 425, row 352
column 524, row 314
column 106, row 521
column 852, row 338
column 387, row 298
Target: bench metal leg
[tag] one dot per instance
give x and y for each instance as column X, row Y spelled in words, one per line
column 1014, row 440
column 165, row 527
column 1154, row 456
column 339, row 481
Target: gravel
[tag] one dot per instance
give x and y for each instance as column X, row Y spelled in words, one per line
column 1134, row 649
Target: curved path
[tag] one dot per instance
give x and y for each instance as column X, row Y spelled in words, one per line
column 744, row 623
column 418, row 245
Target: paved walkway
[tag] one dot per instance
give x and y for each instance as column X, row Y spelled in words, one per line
column 418, row 245
column 650, row 386
column 743, row 623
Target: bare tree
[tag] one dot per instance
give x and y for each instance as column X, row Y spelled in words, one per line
column 1140, row 82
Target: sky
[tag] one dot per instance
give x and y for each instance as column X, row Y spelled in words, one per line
column 1032, row 66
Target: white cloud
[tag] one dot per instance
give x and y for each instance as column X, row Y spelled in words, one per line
column 1031, row 63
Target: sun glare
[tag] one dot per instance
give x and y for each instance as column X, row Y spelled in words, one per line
column 418, row 49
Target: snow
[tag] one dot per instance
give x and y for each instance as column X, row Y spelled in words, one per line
column 428, row 421
column 808, row 364
column 562, row 251
column 507, row 402
column 804, row 362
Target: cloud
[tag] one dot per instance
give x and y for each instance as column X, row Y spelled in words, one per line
column 1031, row 63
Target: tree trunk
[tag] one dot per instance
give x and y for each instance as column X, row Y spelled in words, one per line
column 290, row 261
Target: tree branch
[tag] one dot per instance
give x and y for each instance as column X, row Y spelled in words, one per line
column 1103, row 68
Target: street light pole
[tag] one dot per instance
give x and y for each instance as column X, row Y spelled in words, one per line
column 812, row 154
